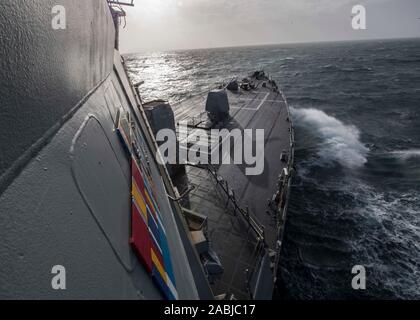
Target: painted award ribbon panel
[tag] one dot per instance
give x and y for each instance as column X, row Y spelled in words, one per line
column 148, row 235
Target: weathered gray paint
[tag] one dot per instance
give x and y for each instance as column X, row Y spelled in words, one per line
column 45, row 220
column 102, row 181
column 68, row 201
column 46, row 72
column 70, row 207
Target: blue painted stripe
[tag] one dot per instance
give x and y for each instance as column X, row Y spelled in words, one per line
column 162, row 285
column 167, row 257
column 151, row 196
column 154, row 228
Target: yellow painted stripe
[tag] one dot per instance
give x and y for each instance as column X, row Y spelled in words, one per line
column 159, row 267
column 138, row 198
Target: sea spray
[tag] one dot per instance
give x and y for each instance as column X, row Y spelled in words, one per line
column 406, row 154
column 341, row 142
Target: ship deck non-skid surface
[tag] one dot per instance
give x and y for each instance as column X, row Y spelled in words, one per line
column 230, row 236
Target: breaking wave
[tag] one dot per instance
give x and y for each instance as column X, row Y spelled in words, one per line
column 333, row 67
column 406, row 154
column 341, row 142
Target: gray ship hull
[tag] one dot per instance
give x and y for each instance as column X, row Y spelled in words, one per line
column 65, row 186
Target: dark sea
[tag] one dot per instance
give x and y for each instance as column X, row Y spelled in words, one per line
column 356, row 195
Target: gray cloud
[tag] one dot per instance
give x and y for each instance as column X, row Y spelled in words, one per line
column 178, row 24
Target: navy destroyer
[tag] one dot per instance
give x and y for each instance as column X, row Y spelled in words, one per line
column 82, row 187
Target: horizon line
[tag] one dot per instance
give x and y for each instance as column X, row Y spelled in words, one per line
column 272, row 44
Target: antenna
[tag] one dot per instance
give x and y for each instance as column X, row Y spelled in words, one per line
column 122, row 3
column 118, row 13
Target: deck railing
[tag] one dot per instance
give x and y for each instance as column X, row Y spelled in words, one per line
column 257, row 227
column 284, row 190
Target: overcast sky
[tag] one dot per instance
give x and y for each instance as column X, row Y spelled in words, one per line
column 187, row 24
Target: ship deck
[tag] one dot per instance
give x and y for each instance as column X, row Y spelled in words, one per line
column 239, row 207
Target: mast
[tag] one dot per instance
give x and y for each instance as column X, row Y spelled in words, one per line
column 118, row 14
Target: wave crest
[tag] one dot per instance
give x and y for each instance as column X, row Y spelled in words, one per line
column 341, row 142
column 406, row 154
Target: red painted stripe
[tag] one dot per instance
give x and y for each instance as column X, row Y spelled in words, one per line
column 138, row 178
column 157, row 252
column 140, row 239
column 137, row 175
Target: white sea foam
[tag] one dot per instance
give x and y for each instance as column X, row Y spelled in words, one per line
column 340, row 142
column 406, row 154
column 398, row 217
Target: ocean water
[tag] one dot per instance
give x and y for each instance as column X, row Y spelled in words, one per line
column 356, row 196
